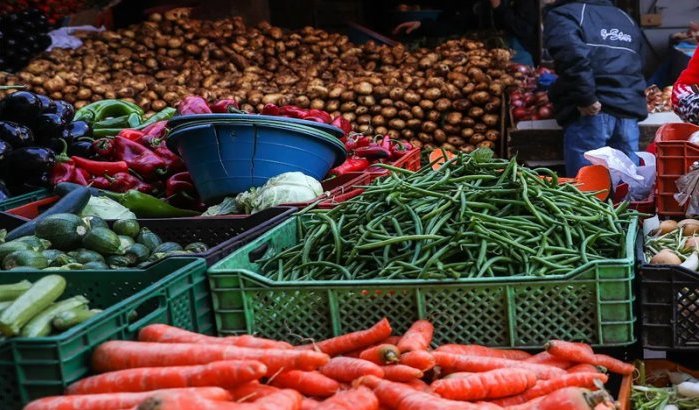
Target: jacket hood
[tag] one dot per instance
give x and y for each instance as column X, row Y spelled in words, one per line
column 562, row 2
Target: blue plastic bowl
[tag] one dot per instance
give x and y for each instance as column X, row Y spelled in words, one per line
column 228, row 156
column 184, row 119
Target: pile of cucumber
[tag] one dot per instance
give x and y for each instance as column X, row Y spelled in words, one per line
column 32, row 310
column 68, row 242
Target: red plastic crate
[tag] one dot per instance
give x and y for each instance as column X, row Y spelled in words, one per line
column 409, row 161
column 675, row 155
column 647, row 206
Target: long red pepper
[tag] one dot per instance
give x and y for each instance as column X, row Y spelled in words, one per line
column 352, row 164
column 100, row 167
column 139, row 158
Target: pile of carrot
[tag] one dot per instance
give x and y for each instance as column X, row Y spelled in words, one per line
column 174, row 369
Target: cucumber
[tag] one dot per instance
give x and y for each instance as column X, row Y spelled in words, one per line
column 148, row 238
column 96, row 265
column 128, row 227
column 121, row 261
column 14, row 290
column 72, row 203
column 35, row 242
column 69, row 318
column 84, row 256
column 73, row 266
column 52, row 254
column 139, row 251
column 126, row 242
column 30, row 259
column 61, row 260
column 32, row 302
column 196, row 247
column 64, row 231
column 95, row 222
column 102, row 240
column 14, row 246
column 167, row 247
column 40, row 325
column 64, row 188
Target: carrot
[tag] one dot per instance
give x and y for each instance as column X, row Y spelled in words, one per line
column 401, row 397
column 466, row 363
column 478, row 350
column 227, row 373
column 307, row 383
column 613, row 365
column 584, row 368
column 392, row 340
column 360, row 398
column 418, row 359
column 109, row 401
column 381, row 354
column 458, row 375
column 569, row 398
column 281, row 400
column 545, row 387
column 418, row 337
column 574, row 352
column 170, row 334
column 309, row 404
column 119, row 355
column 549, row 360
column 401, row 373
column 352, row 341
column 419, row 385
column 347, row 369
column 252, row 391
column 530, row 405
column 488, row 385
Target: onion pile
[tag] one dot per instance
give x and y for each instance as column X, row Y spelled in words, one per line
column 449, row 96
column 659, row 100
column 530, row 105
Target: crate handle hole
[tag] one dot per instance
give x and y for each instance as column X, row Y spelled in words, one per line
column 257, row 253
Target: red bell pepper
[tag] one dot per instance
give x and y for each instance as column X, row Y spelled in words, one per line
column 399, row 148
column 225, row 106
column 180, row 183
column 131, row 135
column 100, row 167
column 318, row 116
column 139, row 158
column 343, row 124
column 80, row 176
column 62, row 172
column 193, row 104
column 122, row 182
column 352, row 164
column 173, row 162
column 374, row 152
column 101, row 183
column 293, row 111
column 270, row 109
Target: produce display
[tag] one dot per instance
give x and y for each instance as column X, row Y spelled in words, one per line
column 22, row 36
column 659, row 100
column 170, row 368
column 443, row 96
column 34, row 309
column 473, row 216
column 530, row 100
column 674, row 243
column 665, row 386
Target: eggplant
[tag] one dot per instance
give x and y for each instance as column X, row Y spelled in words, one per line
column 75, row 130
column 81, row 147
column 65, row 110
column 16, row 135
column 21, row 106
column 5, row 149
column 28, row 161
column 4, row 192
column 48, row 126
column 47, row 104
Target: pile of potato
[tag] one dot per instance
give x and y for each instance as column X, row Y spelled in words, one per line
column 449, row 96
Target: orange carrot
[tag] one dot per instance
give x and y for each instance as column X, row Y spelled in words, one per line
column 458, row 375
column 418, row 359
column 360, row 398
column 252, row 391
column 613, row 365
column 583, row 368
column 309, row 404
column 229, row 373
column 307, row 383
column 281, row 400
column 401, row 373
column 545, row 387
column 478, row 350
column 574, row 352
column 347, row 369
column 487, row 385
column 419, row 385
column 569, row 398
column 381, row 354
column 530, row 405
column 466, row 363
column 119, row 355
column 401, row 397
column 392, row 340
column 109, row 401
column 549, row 360
column 418, row 337
column 170, row 334
column 352, row 341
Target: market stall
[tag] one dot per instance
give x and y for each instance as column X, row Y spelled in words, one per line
column 214, row 215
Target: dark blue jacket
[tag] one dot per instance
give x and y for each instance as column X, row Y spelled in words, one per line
column 597, row 53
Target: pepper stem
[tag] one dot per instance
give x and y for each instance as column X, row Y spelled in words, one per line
column 63, row 155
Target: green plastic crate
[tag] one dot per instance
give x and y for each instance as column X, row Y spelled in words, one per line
column 174, row 291
column 593, row 303
column 24, row 199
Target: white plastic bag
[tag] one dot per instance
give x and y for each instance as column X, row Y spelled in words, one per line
column 63, row 38
column 640, row 179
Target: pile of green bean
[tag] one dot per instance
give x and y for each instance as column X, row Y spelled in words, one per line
column 474, row 217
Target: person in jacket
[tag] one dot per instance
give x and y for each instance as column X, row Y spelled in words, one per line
column 520, row 20
column 685, row 93
column 599, row 95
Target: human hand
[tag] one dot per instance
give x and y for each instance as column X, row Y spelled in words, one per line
column 408, row 26
column 495, row 3
column 591, row 110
